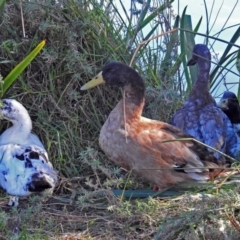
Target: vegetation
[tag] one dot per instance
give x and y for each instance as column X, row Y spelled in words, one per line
column 81, row 36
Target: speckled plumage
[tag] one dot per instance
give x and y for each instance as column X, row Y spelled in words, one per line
column 200, row 116
column 25, row 170
column 137, row 142
column 24, row 165
column 230, row 106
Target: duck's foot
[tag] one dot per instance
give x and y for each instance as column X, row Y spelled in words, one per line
column 13, row 201
column 156, row 188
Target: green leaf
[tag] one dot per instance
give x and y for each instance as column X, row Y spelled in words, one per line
column 2, row 3
column 14, row 74
column 183, row 50
column 187, row 35
column 154, row 14
column 166, row 63
column 238, row 68
column 238, row 61
column 234, row 38
column 227, row 63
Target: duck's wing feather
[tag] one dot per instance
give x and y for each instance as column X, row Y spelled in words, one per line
column 213, row 126
column 34, row 140
column 233, row 141
column 25, row 169
column 143, row 150
column 186, row 156
column 208, row 125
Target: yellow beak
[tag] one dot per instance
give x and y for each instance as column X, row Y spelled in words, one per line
column 94, row 82
column 223, row 104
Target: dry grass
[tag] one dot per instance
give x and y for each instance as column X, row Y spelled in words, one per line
column 79, row 42
column 100, row 215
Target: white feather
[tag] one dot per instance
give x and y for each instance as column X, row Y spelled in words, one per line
column 24, row 164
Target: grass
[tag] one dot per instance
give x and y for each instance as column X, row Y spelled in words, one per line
column 97, row 214
column 81, row 37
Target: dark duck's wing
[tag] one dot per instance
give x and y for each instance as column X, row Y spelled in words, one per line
column 230, row 106
column 200, row 116
column 137, row 143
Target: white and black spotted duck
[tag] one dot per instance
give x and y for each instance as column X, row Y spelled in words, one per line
column 135, row 142
column 200, row 116
column 24, row 164
column 230, row 106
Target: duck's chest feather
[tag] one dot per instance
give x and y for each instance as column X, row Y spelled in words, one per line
column 112, row 133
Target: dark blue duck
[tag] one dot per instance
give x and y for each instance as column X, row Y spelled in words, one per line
column 200, row 116
column 230, row 106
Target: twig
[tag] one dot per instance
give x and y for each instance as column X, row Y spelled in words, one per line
column 195, row 140
column 23, row 27
column 233, row 221
column 124, row 116
column 150, row 39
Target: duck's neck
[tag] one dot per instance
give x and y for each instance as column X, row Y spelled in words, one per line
column 233, row 114
column 133, row 98
column 19, row 132
column 200, row 87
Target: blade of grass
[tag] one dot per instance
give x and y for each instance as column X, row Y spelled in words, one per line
column 234, row 38
column 138, row 27
column 228, row 17
column 2, row 3
column 183, row 50
column 195, row 140
column 222, row 68
column 188, row 40
column 238, row 68
column 207, row 20
column 190, row 43
column 167, row 60
column 13, row 75
column 218, row 39
column 154, row 14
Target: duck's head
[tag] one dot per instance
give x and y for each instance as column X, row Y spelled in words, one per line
column 115, row 73
column 12, row 110
column 230, row 106
column 200, row 55
column 228, row 101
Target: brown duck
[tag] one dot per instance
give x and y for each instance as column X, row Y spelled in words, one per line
column 137, row 143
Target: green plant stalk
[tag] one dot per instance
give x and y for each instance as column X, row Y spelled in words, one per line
column 218, row 39
column 14, row 74
column 154, row 14
column 238, row 68
column 190, row 42
column 167, row 61
column 2, row 3
column 195, row 140
column 225, row 67
column 187, row 39
column 140, row 20
column 222, row 60
column 183, row 50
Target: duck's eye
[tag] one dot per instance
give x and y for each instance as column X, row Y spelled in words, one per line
column 6, row 106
